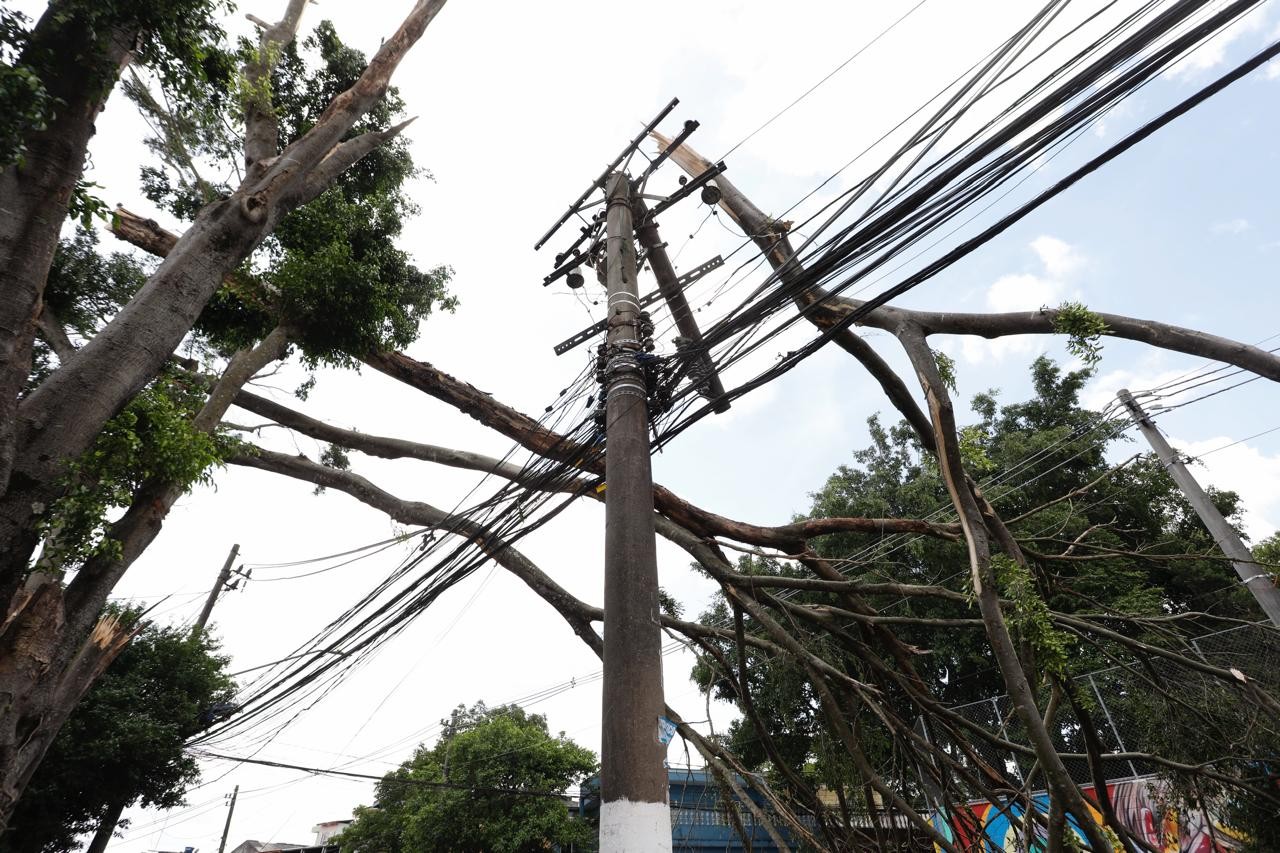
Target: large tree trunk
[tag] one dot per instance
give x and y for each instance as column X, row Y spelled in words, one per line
column 49, row 631
column 58, row 421
column 35, row 192
column 44, row 668
column 107, row 828
column 29, row 718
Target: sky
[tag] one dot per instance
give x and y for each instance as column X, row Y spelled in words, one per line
column 520, row 105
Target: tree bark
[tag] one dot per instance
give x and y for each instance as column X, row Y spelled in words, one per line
column 1061, row 787
column 35, row 192
column 31, row 715
column 59, row 420
column 88, row 591
column 533, row 436
column 56, row 626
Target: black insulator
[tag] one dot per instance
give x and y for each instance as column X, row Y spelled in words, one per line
column 710, row 194
column 574, row 279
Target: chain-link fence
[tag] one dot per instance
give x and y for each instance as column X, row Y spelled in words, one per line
column 1153, row 704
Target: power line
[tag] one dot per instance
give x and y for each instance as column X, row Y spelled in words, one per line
column 829, row 75
column 1238, row 441
column 388, row 779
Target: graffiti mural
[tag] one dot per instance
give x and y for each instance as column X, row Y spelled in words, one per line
column 1138, row 805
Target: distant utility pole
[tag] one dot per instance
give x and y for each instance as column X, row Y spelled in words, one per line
column 223, row 577
column 226, row 828
column 633, row 781
column 1255, row 578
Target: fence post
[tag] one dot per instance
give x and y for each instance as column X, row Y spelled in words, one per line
column 1119, row 740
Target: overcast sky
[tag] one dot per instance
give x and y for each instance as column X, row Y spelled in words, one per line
column 521, row 104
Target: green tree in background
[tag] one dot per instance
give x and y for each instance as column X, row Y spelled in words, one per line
column 467, row 802
column 1132, row 542
column 123, row 743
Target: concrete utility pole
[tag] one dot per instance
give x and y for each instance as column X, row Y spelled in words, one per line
column 634, row 815
column 1255, row 578
column 223, row 577
column 227, row 826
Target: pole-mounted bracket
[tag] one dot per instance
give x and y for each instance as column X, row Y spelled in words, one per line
column 648, row 299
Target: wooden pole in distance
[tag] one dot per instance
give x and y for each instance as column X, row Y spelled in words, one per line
column 1255, row 578
column 223, row 577
column 634, row 815
column 226, row 828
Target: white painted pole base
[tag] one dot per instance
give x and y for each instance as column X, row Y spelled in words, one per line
column 627, row 827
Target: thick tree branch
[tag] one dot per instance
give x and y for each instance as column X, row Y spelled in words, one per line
column 533, row 436
column 262, row 130
column 342, row 157
column 54, row 334
column 398, row 448
column 59, row 420
column 1060, row 784
column 827, row 311
column 576, row 613
column 88, row 591
column 307, row 152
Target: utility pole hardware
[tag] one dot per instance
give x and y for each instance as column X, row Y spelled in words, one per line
column 226, row 828
column 634, row 814
column 223, row 577
column 1255, row 578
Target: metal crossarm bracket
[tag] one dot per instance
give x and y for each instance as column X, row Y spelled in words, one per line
column 598, row 183
column 591, row 331
column 687, row 189
column 699, row 271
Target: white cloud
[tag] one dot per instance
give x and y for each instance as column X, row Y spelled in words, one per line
column 1214, row 51
column 1030, row 291
column 1231, row 226
column 1059, row 257
column 1022, row 292
column 1254, row 475
column 1026, row 291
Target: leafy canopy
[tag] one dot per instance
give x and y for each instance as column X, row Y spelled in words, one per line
column 123, row 743
column 175, row 39
column 1133, row 517
column 331, row 270
column 480, row 749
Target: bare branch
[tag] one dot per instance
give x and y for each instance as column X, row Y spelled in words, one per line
column 537, row 438
column 342, row 157
column 55, row 335
column 261, row 129
column 827, row 311
column 397, row 448
column 578, row 615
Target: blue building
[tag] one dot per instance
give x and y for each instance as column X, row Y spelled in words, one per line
column 699, row 816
